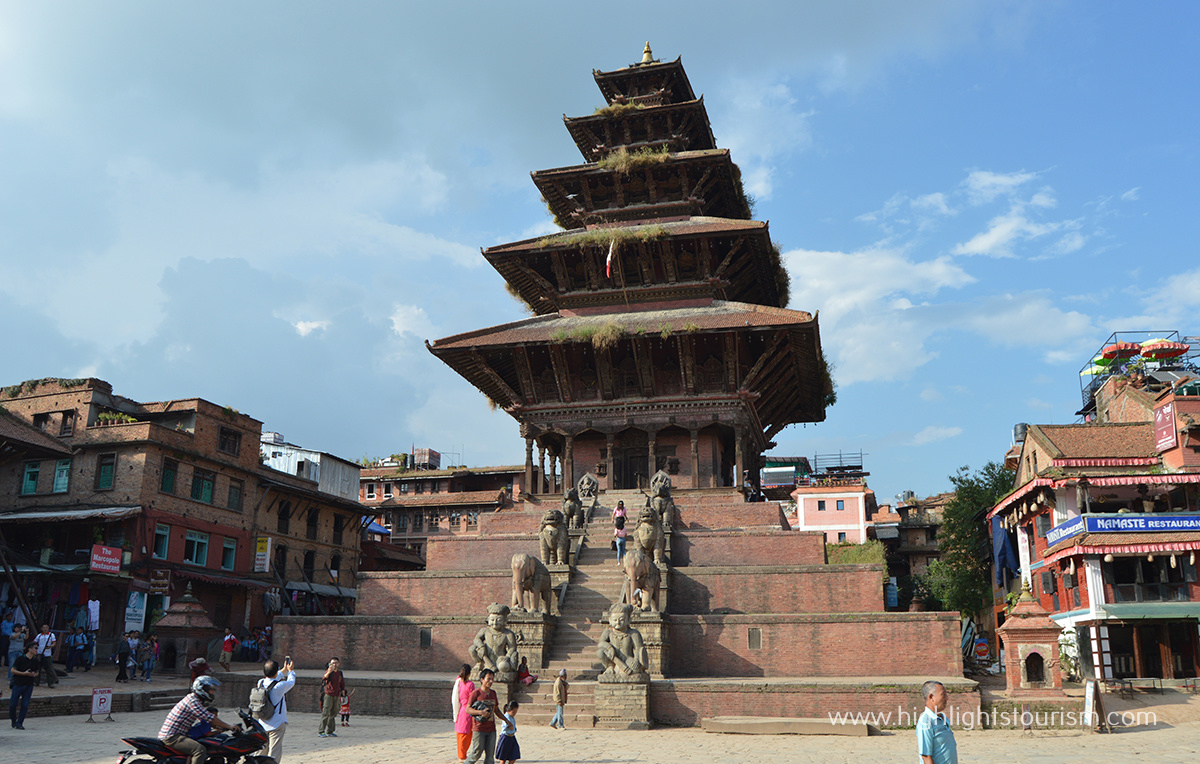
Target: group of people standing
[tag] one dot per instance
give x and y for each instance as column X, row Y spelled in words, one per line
column 475, row 714
column 136, row 651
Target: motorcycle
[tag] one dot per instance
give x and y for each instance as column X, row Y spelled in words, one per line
column 236, row 747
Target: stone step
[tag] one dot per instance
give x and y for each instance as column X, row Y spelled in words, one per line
column 770, row 725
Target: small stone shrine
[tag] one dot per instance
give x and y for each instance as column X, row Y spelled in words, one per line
column 1031, row 651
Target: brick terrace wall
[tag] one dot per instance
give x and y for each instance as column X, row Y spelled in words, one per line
column 421, row 698
column 721, row 513
column 847, row 644
column 686, row 703
column 432, row 593
column 72, row 705
column 478, row 552
column 523, row 521
column 792, row 589
column 746, row 547
column 391, row 643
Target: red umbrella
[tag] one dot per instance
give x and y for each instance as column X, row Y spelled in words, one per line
column 1122, row 350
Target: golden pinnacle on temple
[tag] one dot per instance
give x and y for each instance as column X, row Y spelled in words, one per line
column 647, row 56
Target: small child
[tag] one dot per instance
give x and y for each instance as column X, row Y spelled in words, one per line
column 507, row 750
column 346, row 707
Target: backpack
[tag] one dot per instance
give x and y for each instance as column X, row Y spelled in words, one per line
column 261, row 706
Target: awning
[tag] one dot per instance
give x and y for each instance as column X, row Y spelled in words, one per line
column 41, row 514
column 196, row 575
column 322, row 589
column 1143, row 611
column 376, row 528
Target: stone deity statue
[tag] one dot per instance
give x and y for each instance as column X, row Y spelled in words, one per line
column 588, row 487
column 621, row 649
column 495, row 646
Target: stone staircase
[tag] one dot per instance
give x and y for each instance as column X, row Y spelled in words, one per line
column 595, row 585
column 165, row 700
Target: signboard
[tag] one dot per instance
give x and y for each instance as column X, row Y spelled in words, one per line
column 101, row 701
column 262, row 554
column 160, row 582
column 135, row 611
column 1165, row 435
column 1122, row 524
column 105, row 559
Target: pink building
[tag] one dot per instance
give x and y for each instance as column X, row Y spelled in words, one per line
column 835, row 499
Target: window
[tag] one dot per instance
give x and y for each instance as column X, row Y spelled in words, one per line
column 228, row 554
column 404, row 488
column 370, row 490
column 29, row 483
column 195, row 548
column 62, row 475
column 285, row 514
column 281, row 553
column 387, row 490
column 106, row 471
column 229, row 441
column 1042, row 524
column 820, row 505
column 754, row 638
column 841, row 536
column 313, row 515
column 41, row 421
column 338, row 523
column 426, row 637
column 203, row 482
column 310, row 564
column 170, row 470
column 235, row 495
column 162, row 541
column 841, row 504
column 420, row 487
column 335, row 566
column 67, row 429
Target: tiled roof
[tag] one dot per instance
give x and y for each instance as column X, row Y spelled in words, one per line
column 17, row 434
column 409, row 501
column 692, row 226
column 1123, row 539
column 1097, row 441
column 713, row 317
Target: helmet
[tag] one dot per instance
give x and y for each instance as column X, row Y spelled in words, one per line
column 204, row 686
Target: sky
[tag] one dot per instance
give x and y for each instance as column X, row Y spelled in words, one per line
column 272, row 205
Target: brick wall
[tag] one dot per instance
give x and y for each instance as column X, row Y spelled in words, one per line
column 686, row 703
column 432, row 592
column 849, row 644
column 747, row 547
column 727, row 514
column 475, row 553
column 516, row 521
column 803, row 589
column 414, row 698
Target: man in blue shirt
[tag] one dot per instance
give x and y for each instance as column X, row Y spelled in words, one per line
column 935, row 739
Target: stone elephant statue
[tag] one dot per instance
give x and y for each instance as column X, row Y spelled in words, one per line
column 531, row 586
column 555, row 541
column 641, row 573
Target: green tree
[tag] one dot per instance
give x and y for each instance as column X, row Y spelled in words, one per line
column 961, row 579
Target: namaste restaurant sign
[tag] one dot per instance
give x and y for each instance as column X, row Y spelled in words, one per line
column 1121, row 524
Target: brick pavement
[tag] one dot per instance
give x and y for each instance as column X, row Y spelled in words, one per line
column 384, row 740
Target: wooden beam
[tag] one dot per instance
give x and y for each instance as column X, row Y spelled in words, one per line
column 495, row 377
column 731, row 361
column 642, row 357
column 666, row 251
column 734, row 248
column 604, row 370
column 768, row 353
column 687, row 363
column 559, row 360
column 525, row 375
column 527, row 270
column 560, row 272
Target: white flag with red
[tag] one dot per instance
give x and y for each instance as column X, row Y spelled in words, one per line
column 608, row 263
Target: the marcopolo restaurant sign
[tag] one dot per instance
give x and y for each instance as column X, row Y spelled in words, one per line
column 1121, row 524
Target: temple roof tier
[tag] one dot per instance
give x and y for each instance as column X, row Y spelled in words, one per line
column 721, row 258
column 676, row 127
column 651, row 186
column 648, row 83
column 768, row 357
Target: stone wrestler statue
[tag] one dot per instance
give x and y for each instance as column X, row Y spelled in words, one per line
column 495, row 646
column 621, row 649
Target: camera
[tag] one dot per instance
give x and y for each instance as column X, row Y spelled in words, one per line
column 479, row 705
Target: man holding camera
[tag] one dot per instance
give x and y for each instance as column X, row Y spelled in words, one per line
column 482, row 705
column 332, row 684
column 276, row 682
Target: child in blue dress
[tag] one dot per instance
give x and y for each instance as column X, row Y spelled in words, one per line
column 507, row 750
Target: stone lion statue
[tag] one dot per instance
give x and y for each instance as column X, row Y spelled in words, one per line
column 649, row 536
column 641, row 573
column 555, row 541
column 531, row 584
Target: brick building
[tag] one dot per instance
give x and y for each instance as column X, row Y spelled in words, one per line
column 835, row 499
column 178, row 490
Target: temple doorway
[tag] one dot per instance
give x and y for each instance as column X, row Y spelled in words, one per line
column 629, row 468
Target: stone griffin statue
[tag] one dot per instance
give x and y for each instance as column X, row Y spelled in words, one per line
column 621, row 649
column 649, row 536
column 530, row 584
column 641, row 573
column 495, row 646
column 661, row 501
column 573, row 509
column 555, row 540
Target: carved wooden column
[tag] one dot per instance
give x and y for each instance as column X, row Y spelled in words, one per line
column 542, row 473
column 695, row 458
column 739, row 457
column 528, row 465
column 568, row 470
column 612, row 478
column 652, row 463
column 553, row 489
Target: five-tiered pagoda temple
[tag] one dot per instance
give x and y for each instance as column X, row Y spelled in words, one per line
column 660, row 336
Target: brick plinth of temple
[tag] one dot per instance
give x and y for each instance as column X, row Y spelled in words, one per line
column 623, row 706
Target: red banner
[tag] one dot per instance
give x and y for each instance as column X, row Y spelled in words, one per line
column 1165, row 435
column 106, row 559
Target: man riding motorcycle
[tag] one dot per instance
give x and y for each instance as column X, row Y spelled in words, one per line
column 187, row 712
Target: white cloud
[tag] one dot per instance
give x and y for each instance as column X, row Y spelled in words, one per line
column 760, row 123
column 983, row 186
column 304, row 328
column 1072, row 242
column 933, row 434
column 1004, row 231
column 931, row 395
column 1132, row 194
column 1032, row 318
column 412, row 320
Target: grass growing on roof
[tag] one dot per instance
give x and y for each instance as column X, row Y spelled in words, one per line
column 622, row 160
column 606, row 336
column 616, row 109
column 602, row 237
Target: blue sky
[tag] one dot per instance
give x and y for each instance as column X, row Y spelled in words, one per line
column 272, row 205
